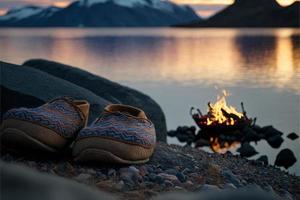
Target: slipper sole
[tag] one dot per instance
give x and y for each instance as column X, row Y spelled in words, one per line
column 17, row 139
column 99, row 155
column 23, row 135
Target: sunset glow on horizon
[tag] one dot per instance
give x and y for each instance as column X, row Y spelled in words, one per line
column 61, row 4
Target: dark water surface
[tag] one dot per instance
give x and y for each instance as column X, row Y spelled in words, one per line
column 181, row 68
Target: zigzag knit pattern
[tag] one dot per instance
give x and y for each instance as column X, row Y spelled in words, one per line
column 123, row 128
column 59, row 116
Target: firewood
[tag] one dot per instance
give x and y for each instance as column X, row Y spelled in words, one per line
column 200, row 113
column 229, row 115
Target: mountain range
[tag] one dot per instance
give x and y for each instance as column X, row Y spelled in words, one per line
column 253, row 13
column 101, row 13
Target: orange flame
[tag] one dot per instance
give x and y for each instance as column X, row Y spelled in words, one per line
column 216, row 114
column 216, row 146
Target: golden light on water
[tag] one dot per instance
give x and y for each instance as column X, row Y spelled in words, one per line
column 285, row 65
column 185, row 56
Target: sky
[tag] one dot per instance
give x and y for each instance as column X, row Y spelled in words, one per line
column 204, row 8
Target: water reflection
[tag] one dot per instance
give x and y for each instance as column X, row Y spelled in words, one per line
column 268, row 58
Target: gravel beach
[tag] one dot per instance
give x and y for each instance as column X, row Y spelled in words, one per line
column 171, row 168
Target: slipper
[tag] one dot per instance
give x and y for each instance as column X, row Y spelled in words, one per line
column 122, row 134
column 49, row 127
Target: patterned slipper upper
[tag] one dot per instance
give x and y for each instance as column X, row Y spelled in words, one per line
column 60, row 115
column 115, row 123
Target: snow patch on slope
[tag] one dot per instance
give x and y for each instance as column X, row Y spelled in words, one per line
column 21, row 12
column 24, row 12
column 157, row 4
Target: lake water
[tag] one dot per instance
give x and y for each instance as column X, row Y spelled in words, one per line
column 181, row 68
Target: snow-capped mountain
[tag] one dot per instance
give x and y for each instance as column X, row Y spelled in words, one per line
column 156, row 4
column 101, row 13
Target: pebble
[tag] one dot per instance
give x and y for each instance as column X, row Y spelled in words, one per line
column 287, row 196
column 181, row 177
column 229, row 186
column 263, row 159
column 149, row 184
column 171, row 171
column 231, row 178
column 168, row 177
column 83, row 178
column 151, row 176
column 186, row 171
column 133, row 169
column 143, row 170
column 130, row 176
column 208, row 188
column 246, row 150
column 292, row 136
column 120, row 185
column 285, row 158
column 179, row 188
column 169, row 184
column 159, row 179
column 112, row 173
column 268, row 188
column 91, row 171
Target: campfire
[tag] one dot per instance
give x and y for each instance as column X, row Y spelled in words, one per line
column 223, row 128
column 222, row 119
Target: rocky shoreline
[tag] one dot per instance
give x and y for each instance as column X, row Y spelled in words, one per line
column 171, row 168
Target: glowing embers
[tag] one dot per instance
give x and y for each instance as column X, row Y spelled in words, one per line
column 223, row 125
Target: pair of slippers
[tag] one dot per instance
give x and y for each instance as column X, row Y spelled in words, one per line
column 121, row 134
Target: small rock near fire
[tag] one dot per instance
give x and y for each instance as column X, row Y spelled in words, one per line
column 246, row 150
column 292, row 136
column 263, row 159
column 285, row 158
column 275, row 141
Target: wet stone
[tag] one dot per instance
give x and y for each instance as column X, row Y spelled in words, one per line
column 84, row 178
column 285, row 158
column 130, row 175
column 169, row 177
column 168, row 184
column 231, row 178
column 292, row 136
column 171, row 171
column 120, row 185
column 246, row 150
column 263, row 159
column 172, row 133
column 229, row 186
column 208, row 188
column 111, row 173
column 275, row 141
column 159, row 179
column 181, row 177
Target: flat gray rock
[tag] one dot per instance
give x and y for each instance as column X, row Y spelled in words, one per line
column 19, row 182
column 28, row 87
column 106, row 89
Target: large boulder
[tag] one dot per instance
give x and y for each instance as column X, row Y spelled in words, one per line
column 28, row 87
column 106, row 89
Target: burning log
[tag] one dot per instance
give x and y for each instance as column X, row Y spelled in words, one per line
column 230, row 115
